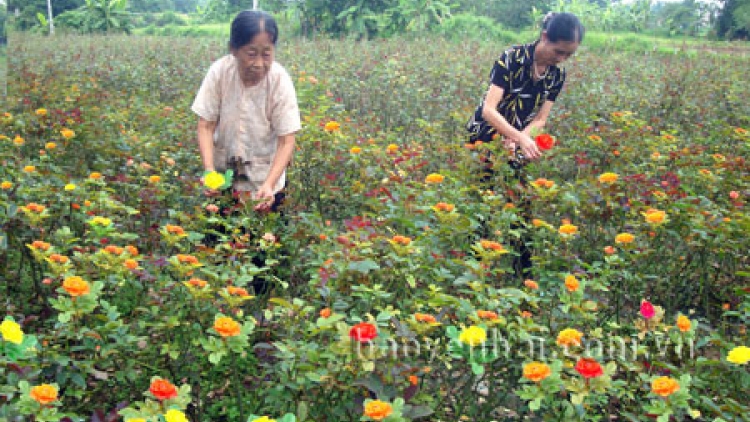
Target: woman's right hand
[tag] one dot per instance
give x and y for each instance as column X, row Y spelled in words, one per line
column 528, row 147
column 211, row 193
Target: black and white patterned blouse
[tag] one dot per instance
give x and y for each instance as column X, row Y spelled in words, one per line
column 522, row 96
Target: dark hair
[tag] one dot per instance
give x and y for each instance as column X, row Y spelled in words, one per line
column 249, row 23
column 563, row 27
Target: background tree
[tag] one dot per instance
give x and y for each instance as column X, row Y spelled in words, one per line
column 734, row 19
column 23, row 13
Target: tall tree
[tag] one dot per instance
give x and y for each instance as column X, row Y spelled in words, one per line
column 734, row 19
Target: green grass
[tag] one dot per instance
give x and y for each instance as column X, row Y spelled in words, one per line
column 3, row 71
column 596, row 41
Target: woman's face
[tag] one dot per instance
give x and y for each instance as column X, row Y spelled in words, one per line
column 550, row 53
column 255, row 58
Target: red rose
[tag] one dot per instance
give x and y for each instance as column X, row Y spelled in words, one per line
column 163, row 389
column 545, row 141
column 363, row 332
column 589, row 368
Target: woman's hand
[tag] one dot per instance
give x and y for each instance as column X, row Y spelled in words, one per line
column 509, row 144
column 265, row 195
column 528, row 147
column 211, row 193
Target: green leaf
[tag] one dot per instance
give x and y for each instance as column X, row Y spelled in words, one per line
column 364, row 267
column 215, row 357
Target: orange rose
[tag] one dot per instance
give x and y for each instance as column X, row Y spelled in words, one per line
column 39, row 245
column 683, row 323
column 197, row 282
column 401, row 240
column 187, row 259
column 536, row 371
column 58, row 259
column 424, row 318
column 131, row 264
column 44, row 394
column 378, row 410
column 227, row 327
column 571, row 283
column 443, row 207
column 491, row 245
column 114, row 250
column 178, row 230
column 434, row 178
column 76, row 286
column 487, row 315
column 163, row 389
column 664, row 386
column 325, row 312
column 237, row 291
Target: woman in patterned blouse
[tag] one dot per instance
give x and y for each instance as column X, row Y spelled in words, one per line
column 525, row 82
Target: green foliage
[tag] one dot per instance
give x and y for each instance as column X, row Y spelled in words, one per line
column 734, row 19
column 466, row 26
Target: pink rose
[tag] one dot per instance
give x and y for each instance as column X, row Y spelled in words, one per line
column 647, row 309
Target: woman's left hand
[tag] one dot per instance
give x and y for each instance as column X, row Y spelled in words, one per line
column 265, row 195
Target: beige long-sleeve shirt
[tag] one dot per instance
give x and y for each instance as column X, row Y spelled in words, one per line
column 250, row 120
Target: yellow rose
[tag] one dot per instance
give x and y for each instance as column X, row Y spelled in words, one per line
column 174, row 415
column 70, row 187
column 624, row 238
column 11, row 331
column 568, row 229
column 214, row 180
column 569, row 337
column 473, row 336
column 739, row 355
column 608, row 178
column 434, row 178
column 655, row 216
column 332, row 126
column 264, row 419
column 67, row 133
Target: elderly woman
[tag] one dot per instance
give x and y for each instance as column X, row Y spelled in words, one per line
column 247, row 119
column 248, row 113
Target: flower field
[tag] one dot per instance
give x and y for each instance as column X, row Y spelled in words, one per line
column 129, row 295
